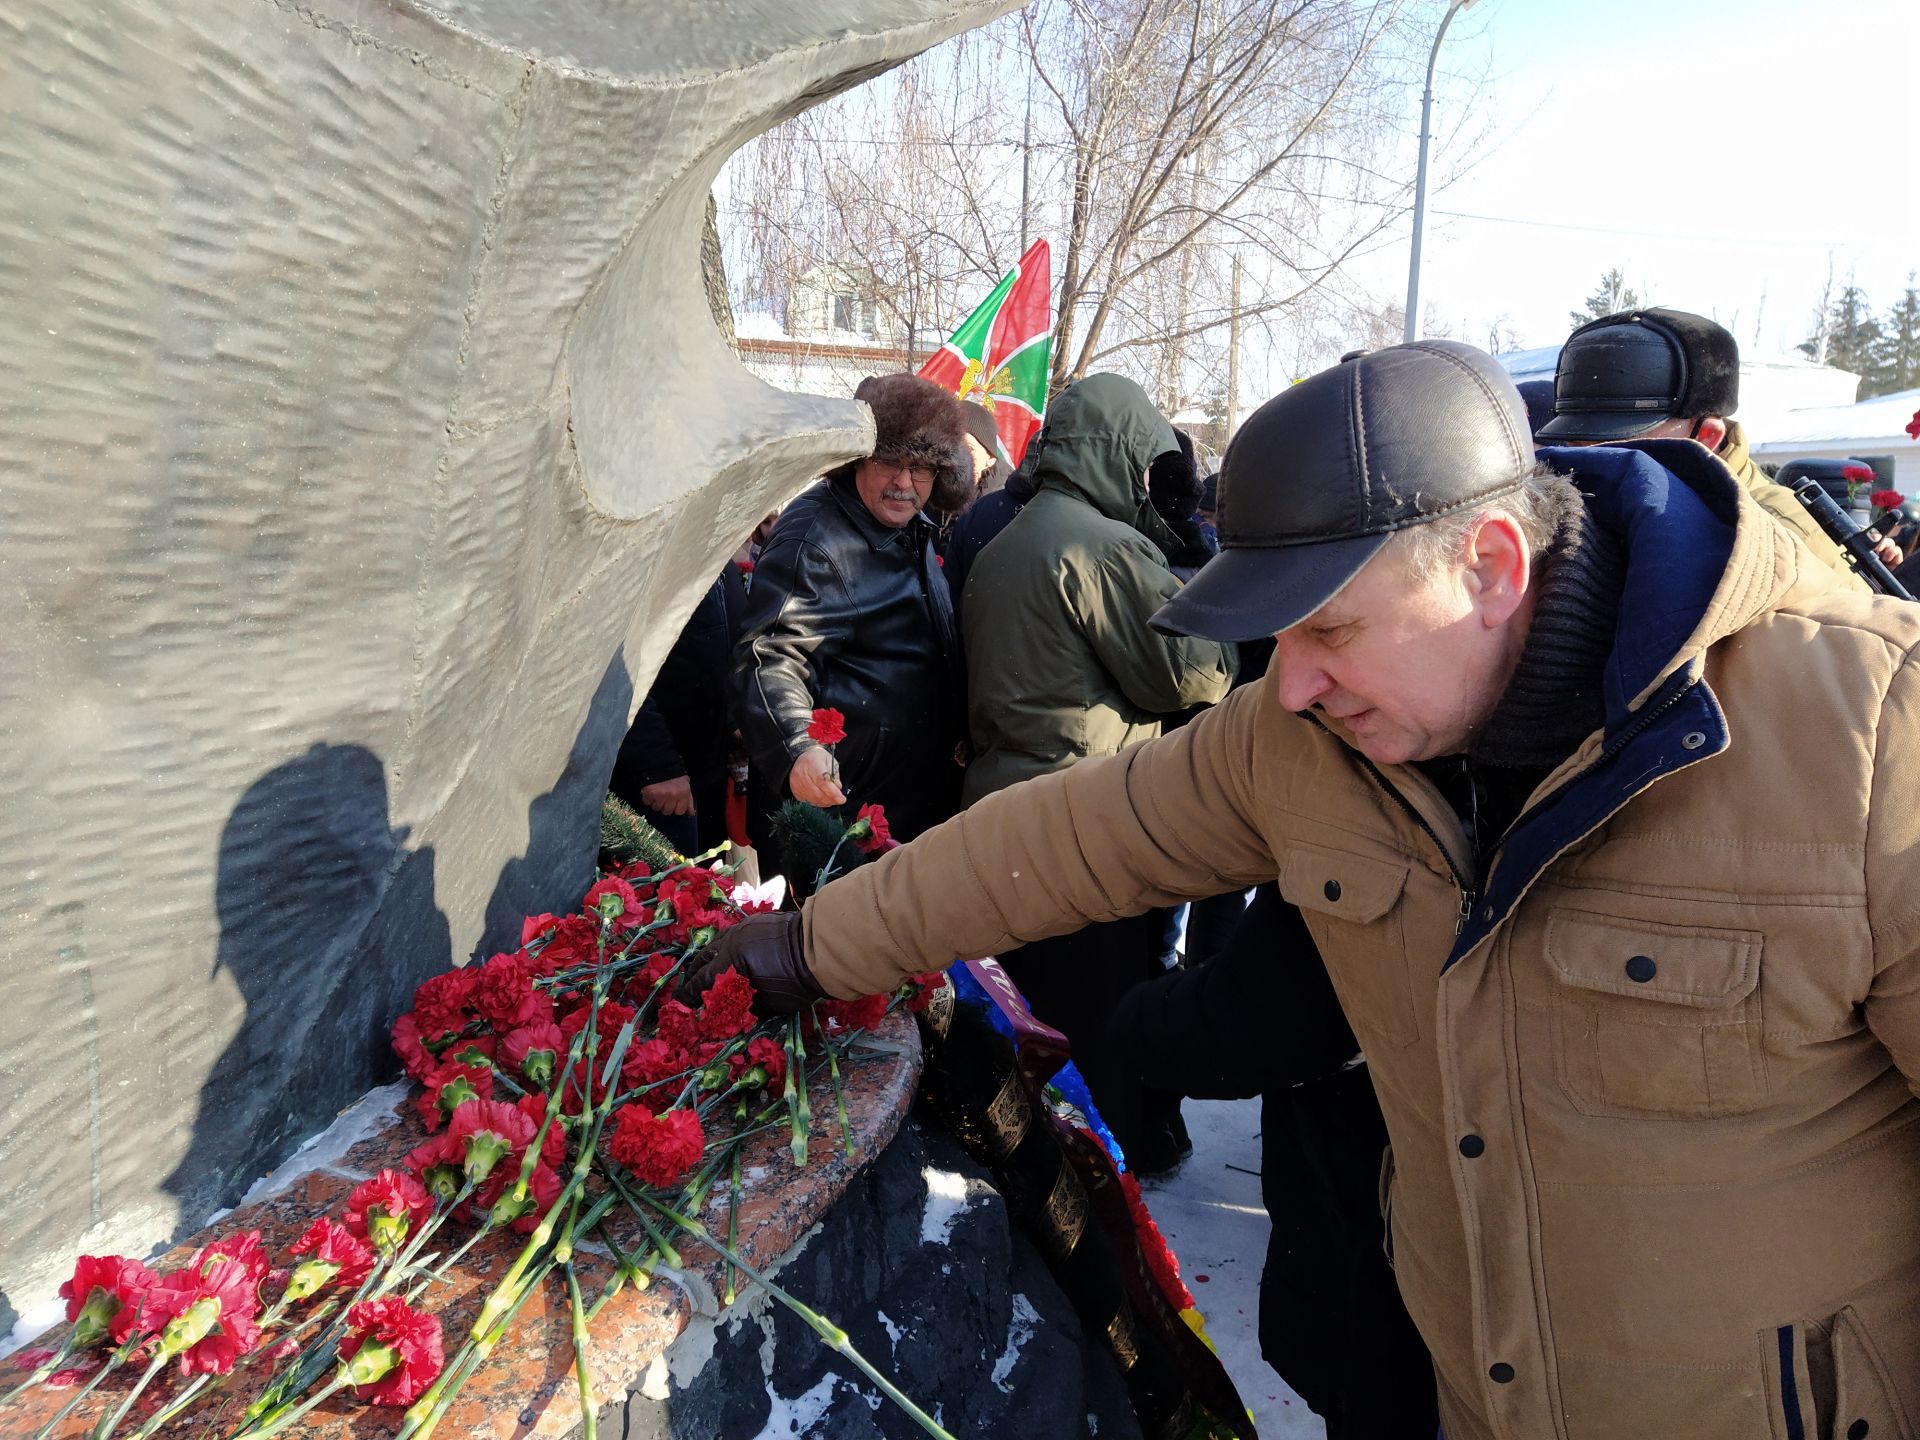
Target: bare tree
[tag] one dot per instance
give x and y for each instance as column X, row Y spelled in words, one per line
column 1168, row 139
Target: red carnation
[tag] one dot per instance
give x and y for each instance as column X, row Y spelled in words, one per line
column 862, row 1014
column 875, row 838
column 574, row 941
column 337, row 1255
column 535, row 926
column 613, row 1019
column 102, row 1297
column 543, row 1188
column 487, row 1132
column 728, row 1008
column 534, row 1050
column 771, row 1057
column 614, row 899
column 1886, row 499
column 407, row 1045
column 922, row 989
column 438, row 1164
column 503, row 993
column 651, row 1061
column 450, row 1086
column 441, row 1004
column 1913, row 426
column 658, row 1149
column 828, row 726
column 243, row 1248
column 206, row 1318
column 382, row 1210
column 553, row 1149
column 391, row 1351
column 675, row 1024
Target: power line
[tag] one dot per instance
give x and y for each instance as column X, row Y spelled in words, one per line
column 1743, row 238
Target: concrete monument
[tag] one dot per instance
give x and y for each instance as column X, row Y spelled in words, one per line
column 364, row 440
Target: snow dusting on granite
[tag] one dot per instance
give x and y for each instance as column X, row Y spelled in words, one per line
column 1020, row 1329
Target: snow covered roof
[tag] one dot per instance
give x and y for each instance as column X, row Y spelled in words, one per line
column 1877, row 423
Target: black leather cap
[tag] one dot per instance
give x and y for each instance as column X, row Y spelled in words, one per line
column 1621, row 375
column 1320, row 477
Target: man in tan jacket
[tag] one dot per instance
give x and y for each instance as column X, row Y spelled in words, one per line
column 1595, row 797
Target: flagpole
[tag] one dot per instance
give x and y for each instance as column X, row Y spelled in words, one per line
column 1026, row 157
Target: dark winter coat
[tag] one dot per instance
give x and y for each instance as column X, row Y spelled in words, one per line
column 850, row 614
column 1262, row 1018
column 977, row 525
column 684, row 726
column 1061, row 661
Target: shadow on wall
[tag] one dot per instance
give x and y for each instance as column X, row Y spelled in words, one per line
column 328, row 922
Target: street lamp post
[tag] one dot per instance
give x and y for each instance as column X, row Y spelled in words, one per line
column 1420, row 180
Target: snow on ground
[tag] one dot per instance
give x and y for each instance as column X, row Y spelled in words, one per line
column 1213, row 1219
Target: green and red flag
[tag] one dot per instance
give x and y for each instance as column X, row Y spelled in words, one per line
column 998, row 356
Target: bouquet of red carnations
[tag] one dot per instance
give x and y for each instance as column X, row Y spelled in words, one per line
column 561, row 1082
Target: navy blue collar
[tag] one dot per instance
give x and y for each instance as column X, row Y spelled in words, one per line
column 1673, row 506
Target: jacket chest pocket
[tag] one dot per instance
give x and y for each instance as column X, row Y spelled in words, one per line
column 1349, row 903
column 1655, row 1021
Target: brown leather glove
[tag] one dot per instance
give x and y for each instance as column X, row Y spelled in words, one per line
column 767, row 950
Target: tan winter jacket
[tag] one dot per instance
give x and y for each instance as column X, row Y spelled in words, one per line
column 1781, row 503
column 1656, row 1147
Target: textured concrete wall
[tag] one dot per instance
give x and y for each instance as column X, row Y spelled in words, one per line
column 364, row 440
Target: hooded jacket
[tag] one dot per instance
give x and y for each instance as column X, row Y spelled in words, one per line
column 1061, row 661
column 1650, row 1079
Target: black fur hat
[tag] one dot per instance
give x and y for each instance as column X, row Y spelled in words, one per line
column 916, row 422
column 1621, row 375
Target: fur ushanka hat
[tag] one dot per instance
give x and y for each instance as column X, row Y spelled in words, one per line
column 916, row 422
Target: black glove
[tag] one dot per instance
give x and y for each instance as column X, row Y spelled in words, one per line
column 767, row 950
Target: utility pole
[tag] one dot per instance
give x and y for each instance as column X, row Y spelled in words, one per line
column 1233, row 354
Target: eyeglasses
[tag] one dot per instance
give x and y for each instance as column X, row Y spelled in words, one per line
column 892, row 470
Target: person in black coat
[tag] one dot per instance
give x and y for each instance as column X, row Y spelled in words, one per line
column 672, row 766
column 848, row 612
column 1262, row 1019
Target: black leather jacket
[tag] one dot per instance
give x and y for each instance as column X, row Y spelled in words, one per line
column 849, row 613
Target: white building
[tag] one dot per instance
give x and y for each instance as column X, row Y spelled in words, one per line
column 823, row 336
column 1840, row 432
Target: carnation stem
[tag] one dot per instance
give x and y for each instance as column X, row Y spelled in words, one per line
column 41, row 1371
column 114, row 1362
column 173, row 1407
column 110, row 1423
column 589, row 1412
column 733, row 1225
column 794, row 1089
column 832, row 1334
column 839, row 1097
column 299, row 1412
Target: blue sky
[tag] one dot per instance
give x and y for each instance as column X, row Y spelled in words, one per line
column 1718, row 152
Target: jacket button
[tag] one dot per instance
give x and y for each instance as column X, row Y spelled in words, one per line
column 1500, row 1372
column 1472, row 1146
column 1331, row 889
column 1693, row 740
column 1858, row 1430
column 1640, row 969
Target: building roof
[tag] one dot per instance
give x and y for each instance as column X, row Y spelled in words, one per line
column 1877, row 424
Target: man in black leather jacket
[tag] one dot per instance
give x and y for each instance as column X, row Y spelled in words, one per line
column 848, row 611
